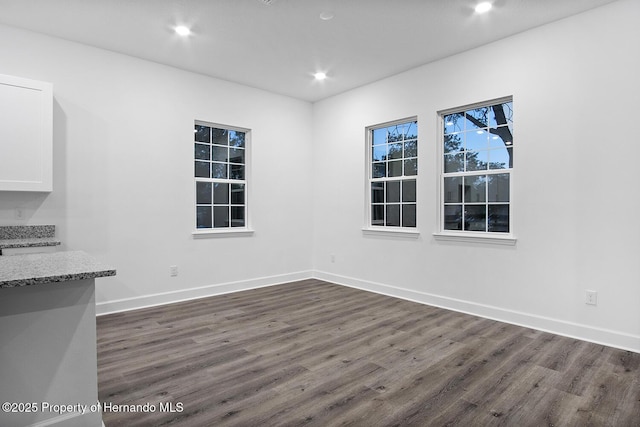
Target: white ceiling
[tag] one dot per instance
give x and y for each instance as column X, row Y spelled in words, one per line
column 277, row 45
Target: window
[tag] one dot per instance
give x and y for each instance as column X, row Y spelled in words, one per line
column 220, row 176
column 477, row 163
column 393, row 150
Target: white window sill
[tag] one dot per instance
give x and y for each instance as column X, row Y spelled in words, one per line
column 231, row 232
column 386, row 231
column 469, row 237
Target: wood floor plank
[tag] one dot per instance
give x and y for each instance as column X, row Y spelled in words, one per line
column 313, row 401
column 320, row 354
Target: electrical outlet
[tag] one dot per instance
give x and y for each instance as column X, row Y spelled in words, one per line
column 591, row 297
column 333, row 257
column 173, row 270
column 19, row 213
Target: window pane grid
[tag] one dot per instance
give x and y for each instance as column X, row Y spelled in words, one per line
column 477, row 198
column 393, row 203
column 393, row 158
column 220, row 162
column 477, row 160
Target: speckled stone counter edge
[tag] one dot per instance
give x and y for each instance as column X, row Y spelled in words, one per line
column 38, row 269
column 27, row 231
column 18, row 283
column 28, row 243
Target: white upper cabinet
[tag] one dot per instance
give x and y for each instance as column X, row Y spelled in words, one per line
column 26, row 135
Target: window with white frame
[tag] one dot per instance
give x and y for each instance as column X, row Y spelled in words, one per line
column 477, row 164
column 220, row 176
column 393, row 169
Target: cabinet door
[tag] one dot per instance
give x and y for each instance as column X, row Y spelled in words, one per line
column 26, row 135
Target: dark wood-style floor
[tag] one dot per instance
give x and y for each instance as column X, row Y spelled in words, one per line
column 318, row 354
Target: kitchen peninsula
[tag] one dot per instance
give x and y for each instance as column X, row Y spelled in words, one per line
column 48, row 361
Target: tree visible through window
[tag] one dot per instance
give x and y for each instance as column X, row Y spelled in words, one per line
column 392, row 175
column 477, row 162
column 220, row 176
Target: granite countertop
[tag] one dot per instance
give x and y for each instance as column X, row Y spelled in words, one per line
column 36, row 269
column 27, row 236
column 28, row 243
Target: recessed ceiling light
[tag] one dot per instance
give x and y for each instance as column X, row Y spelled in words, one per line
column 320, row 75
column 327, row 15
column 483, row 7
column 182, row 30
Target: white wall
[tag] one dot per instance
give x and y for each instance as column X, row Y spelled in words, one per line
column 123, row 189
column 575, row 95
column 123, row 168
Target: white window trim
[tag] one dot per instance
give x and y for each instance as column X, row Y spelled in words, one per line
column 237, row 231
column 470, row 236
column 388, row 231
column 247, row 230
column 383, row 230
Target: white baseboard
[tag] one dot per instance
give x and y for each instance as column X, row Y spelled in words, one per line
column 71, row 419
column 560, row 327
column 153, row 300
